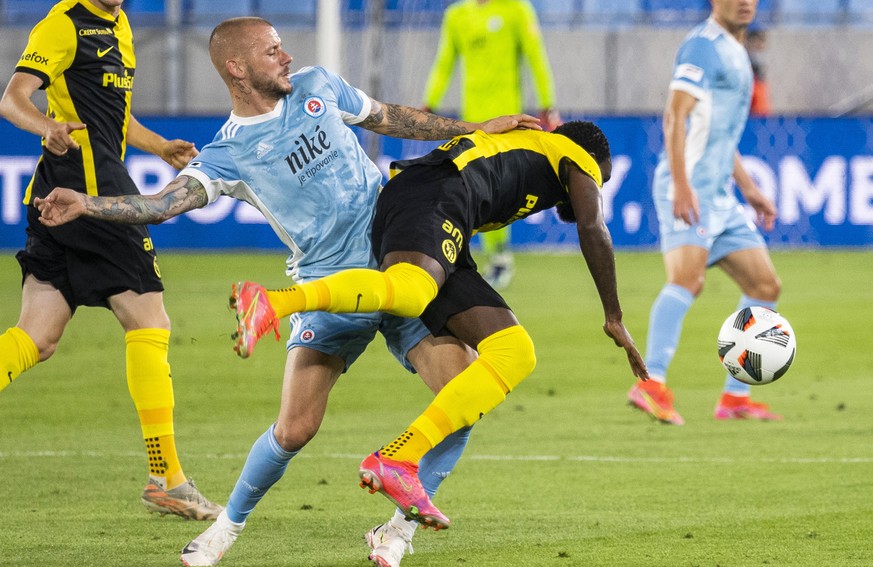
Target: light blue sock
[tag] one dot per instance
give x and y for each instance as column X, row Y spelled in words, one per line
column 437, row 463
column 264, row 466
column 732, row 385
column 665, row 327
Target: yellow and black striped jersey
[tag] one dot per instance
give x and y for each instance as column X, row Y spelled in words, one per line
column 510, row 175
column 86, row 61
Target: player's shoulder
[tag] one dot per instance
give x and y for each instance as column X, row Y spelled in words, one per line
column 122, row 19
column 61, row 9
column 517, row 6
column 58, row 19
column 312, row 76
column 701, row 40
column 457, row 9
column 707, row 31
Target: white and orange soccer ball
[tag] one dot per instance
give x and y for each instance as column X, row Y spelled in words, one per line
column 756, row 345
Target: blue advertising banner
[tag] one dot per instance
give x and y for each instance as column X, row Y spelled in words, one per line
column 818, row 171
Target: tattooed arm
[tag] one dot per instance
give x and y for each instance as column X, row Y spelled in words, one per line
column 63, row 205
column 406, row 122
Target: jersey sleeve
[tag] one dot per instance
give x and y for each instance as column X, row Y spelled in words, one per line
column 353, row 103
column 559, row 147
column 50, row 49
column 534, row 50
column 695, row 68
column 443, row 65
column 217, row 172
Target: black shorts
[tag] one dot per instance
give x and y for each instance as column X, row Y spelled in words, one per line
column 89, row 260
column 428, row 209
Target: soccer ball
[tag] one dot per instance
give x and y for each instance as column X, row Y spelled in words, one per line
column 756, row 345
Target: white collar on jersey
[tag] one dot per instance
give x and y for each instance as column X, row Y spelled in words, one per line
column 711, row 21
column 248, row 120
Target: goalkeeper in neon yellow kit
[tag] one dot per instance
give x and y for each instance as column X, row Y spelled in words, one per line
column 492, row 38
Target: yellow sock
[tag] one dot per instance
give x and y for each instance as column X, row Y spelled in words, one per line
column 505, row 359
column 162, row 452
column 17, row 354
column 403, row 289
column 410, row 446
column 151, row 387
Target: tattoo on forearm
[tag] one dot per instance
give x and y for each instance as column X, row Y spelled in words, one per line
column 407, row 122
column 377, row 115
column 183, row 194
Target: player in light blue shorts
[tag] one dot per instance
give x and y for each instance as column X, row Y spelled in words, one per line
column 346, row 336
column 721, row 233
column 287, row 150
column 701, row 220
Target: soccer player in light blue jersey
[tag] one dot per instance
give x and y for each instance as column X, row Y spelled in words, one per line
column 287, row 150
column 701, row 221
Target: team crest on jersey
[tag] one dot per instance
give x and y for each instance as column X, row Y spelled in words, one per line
column 307, row 336
column 450, row 251
column 313, row 106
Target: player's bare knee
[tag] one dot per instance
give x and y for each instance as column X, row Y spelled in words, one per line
column 293, row 437
column 46, row 345
column 46, row 350
column 694, row 285
column 767, row 289
column 773, row 289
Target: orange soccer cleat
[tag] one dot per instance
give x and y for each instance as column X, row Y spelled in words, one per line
column 655, row 399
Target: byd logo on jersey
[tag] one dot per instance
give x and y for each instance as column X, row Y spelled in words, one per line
column 313, row 106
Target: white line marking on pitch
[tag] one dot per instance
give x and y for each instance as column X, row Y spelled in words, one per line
column 571, row 458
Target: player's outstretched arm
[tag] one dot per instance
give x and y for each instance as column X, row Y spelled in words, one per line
column 401, row 121
column 177, row 153
column 64, row 205
column 596, row 244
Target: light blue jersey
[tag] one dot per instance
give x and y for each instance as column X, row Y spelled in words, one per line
column 713, row 67
column 302, row 167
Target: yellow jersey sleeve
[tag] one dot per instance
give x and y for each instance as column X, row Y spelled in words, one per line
column 50, row 49
column 568, row 149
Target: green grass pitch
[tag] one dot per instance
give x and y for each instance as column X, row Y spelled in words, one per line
column 564, row 473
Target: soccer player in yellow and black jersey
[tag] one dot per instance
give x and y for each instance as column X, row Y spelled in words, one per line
column 82, row 54
column 424, row 219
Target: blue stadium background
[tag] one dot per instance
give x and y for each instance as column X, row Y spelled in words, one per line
column 818, row 169
column 428, row 12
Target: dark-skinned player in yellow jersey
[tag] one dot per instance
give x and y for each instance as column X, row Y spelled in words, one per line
column 425, row 217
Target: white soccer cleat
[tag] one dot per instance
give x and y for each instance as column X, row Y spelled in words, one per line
column 209, row 547
column 388, row 544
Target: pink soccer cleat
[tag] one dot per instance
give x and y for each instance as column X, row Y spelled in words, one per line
column 398, row 482
column 255, row 316
column 741, row 407
column 656, row 399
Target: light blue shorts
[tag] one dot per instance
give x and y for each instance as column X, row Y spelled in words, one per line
column 721, row 232
column 346, row 335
